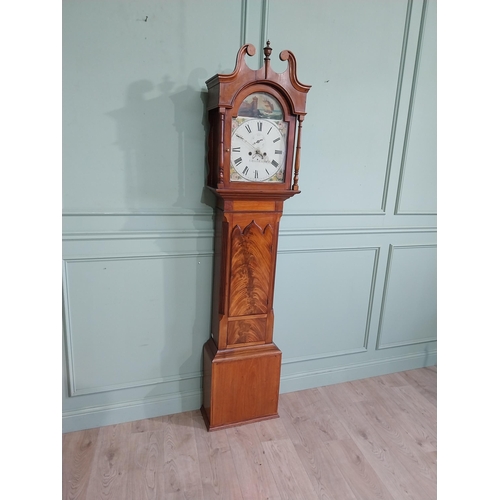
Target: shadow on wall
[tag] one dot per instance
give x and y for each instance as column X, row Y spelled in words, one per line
column 163, row 140
column 163, row 143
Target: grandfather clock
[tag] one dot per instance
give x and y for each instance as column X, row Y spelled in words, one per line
column 254, row 142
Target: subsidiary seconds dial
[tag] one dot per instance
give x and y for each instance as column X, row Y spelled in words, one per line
column 258, row 150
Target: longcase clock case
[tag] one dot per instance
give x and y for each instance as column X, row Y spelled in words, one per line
column 242, row 365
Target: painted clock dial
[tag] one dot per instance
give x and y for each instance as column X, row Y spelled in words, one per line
column 258, row 140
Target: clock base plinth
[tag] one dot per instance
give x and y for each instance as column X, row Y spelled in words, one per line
column 240, row 385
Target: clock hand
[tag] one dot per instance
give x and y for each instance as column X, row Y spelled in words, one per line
column 243, row 139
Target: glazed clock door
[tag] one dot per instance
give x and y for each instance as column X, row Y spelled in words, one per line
column 258, row 140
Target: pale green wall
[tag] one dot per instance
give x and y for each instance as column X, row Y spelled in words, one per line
column 356, row 274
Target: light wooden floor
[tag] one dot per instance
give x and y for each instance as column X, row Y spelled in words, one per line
column 365, row 440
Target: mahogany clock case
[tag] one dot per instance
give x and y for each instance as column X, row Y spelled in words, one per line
column 241, row 363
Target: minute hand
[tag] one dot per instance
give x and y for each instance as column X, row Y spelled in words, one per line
column 243, row 139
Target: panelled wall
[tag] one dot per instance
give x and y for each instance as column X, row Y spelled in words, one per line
column 356, row 275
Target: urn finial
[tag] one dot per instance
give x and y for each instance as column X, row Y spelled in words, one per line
column 267, row 50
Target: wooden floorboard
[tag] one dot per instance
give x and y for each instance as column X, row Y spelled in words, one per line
column 108, row 475
column 362, row 440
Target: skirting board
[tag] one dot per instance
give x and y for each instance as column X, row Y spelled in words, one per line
column 89, row 418
column 346, row 373
column 99, row 416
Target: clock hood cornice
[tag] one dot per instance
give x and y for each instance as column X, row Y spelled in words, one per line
column 229, row 85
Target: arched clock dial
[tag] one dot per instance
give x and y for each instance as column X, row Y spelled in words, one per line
column 258, row 149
